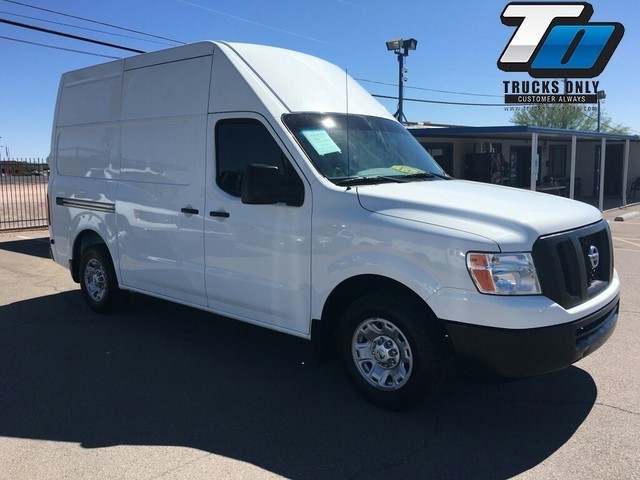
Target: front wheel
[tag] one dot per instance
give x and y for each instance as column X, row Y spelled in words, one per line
column 98, row 280
column 393, row 351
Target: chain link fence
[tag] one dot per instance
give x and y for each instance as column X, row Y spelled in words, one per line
column 23, row 191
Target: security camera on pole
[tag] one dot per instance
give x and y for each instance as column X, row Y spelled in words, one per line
column 401, row 48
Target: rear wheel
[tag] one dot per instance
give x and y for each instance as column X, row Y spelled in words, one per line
column 98, row 280
column 393, row 351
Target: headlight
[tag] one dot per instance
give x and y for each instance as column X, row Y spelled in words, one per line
column 504, row 273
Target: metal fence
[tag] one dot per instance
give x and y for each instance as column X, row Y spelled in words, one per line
column 23, row 191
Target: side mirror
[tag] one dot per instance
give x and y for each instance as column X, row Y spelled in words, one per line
column 261, row 185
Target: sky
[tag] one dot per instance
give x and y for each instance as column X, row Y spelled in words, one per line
column 459, row 43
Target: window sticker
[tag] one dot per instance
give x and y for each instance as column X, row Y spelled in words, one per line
column 406, row 169
column 321, row 141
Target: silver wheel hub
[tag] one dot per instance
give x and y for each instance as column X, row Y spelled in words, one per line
column 382, row 354
column 385, row 351
column 95, row 280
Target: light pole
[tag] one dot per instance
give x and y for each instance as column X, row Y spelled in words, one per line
column 601, row 96
column 401, row 48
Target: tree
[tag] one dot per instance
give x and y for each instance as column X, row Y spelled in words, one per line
column 569, row 117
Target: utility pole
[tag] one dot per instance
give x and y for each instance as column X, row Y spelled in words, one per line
column 600, row 96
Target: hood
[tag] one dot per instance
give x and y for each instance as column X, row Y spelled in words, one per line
column 511, row 217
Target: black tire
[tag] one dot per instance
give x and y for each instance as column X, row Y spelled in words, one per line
column 393, row 351
column 98, row 280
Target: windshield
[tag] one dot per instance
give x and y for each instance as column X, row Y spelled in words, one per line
column 352, row 149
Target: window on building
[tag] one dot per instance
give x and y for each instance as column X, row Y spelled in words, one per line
column 442, row 152
column 558, row 161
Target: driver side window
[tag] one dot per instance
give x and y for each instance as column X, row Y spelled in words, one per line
column 240, row 143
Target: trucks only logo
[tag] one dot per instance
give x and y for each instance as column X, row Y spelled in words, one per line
column 555, row 40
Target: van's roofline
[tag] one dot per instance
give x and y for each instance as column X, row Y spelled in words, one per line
column 167, row 55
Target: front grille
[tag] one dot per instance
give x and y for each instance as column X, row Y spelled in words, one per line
column 574, row 266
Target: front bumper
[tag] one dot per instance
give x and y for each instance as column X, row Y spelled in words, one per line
column 527, row 352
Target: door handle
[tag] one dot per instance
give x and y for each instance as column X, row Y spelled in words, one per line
column 219, row 214
column 189, row 211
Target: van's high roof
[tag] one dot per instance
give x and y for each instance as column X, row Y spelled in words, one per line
column 296, row 81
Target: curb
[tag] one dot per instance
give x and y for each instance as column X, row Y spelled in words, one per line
column 626, row 216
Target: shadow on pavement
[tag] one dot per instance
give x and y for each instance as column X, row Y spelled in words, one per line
column 36, row 247
column 163, row 374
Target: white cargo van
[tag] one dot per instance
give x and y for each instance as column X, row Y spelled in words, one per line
column 266, row 185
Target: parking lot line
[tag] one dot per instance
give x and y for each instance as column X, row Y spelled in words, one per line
column 627, row 241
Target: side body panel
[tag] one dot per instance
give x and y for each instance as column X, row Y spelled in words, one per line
column 85, row 163
column 161, row 191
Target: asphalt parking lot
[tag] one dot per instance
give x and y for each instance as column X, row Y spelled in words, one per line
column 161, row 391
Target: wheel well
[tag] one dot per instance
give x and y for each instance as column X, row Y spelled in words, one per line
column 324, row 331
column 83, row 241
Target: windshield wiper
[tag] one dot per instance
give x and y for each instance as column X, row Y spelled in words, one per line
column 346, row 182
column 422, row 175
column 369, row 180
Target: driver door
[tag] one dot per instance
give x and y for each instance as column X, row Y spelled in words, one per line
column 257, row 257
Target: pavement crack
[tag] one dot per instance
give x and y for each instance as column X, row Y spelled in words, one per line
column 182, row 465
column 620, row 409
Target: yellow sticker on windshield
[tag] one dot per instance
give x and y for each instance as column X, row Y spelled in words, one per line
column 406, row 169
